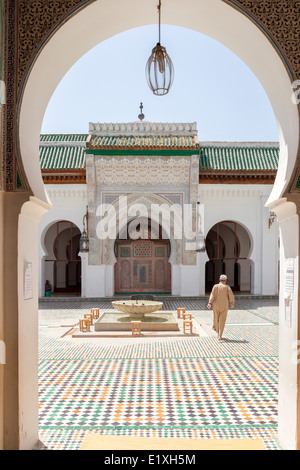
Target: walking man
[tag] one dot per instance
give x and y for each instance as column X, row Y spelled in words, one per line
column 220, row 297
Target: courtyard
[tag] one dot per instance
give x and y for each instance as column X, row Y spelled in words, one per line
column 159, row 385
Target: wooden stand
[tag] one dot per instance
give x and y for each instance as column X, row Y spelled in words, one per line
column 180, row 312
column 187, row 326
column 96, row 313
column 89, row 316
column 187, row 316
column 136, row 327
column 85, row 324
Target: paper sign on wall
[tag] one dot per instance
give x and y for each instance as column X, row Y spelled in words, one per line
column 289, row 279
column 289, row 291
column 28, row 289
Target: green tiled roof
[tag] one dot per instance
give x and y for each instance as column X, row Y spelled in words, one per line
column 64, row 137
column 143, row 142
column 57, row 152
column 244, row 158
column 60, row 157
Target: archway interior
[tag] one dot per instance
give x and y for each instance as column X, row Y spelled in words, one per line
column 228, row 247
column 62, row 262
column 94, row 24
column 142, row 252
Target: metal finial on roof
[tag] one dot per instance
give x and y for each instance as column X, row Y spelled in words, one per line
column 141, row 116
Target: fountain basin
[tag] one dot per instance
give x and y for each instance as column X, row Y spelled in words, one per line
column 112, row 320
column 137, row 309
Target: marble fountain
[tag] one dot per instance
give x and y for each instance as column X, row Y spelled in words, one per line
column 148, row 312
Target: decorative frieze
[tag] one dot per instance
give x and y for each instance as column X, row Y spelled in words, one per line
column 143, row 128
column 67, row 195
column 141, row 172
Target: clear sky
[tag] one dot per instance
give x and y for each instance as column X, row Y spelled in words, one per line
column 212, row 87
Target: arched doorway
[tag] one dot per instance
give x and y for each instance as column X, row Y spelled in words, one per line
column 142, row 259
column 64, row 45
column 228, row 246
column 62, row 264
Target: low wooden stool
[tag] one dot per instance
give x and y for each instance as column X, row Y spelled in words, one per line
column 187, row 325
column 136, row 327
column 96, row 313
column 180, row 312
column 84, row 324
column 89, row 316
column 187, row 316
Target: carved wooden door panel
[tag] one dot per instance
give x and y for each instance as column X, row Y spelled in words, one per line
column 125, row 275
column 123, row 268
column 162, row 268
column 142, row 266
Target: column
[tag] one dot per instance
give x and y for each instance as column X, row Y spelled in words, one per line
column 245, row 275
column 289, row 325
column 84, row 261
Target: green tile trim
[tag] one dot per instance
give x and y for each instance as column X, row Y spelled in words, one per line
column 133, row 152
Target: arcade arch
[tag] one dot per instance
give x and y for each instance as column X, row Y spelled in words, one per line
column 62, row 264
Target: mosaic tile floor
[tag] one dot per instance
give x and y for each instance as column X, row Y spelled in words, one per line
column 192, row 387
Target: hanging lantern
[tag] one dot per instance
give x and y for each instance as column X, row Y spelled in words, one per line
column 159, row 68
column 84, row 239
column 84, row 242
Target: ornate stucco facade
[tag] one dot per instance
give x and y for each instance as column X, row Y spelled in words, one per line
column 133, row 168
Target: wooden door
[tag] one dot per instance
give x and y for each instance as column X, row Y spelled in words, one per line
column 142, row 266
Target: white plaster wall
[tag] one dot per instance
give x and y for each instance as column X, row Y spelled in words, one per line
column 288, row 345
column 28, row 324
column 175, row 279
column 95, row 281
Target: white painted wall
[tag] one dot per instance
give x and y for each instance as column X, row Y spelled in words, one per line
column 288, row 333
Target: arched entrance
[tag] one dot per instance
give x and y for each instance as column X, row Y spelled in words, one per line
column 62, row 264
column 228, row 246
column 142, row 259
column 66, row 44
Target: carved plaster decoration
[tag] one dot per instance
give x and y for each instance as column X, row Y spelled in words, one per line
column 102, row 251
column 279, row 21
column 143, row 128
column 143, row 171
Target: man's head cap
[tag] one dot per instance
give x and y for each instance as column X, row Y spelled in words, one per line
column 223, row 277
